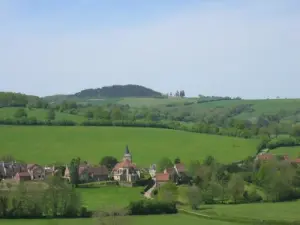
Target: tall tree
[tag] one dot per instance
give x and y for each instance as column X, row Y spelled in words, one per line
column 182, row 93
column 109, row 162
column 50, row 115
column 74, row 171
column 176, row 160
column 236, row 187
column 164, row 163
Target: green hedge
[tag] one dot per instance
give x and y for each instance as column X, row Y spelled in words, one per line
column 98, row 184
column 150, row 207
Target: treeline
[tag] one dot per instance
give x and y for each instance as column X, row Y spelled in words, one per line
column 248, row 181
column 56, row 200
column 11, row 99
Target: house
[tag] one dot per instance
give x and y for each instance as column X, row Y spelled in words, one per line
column 88, row 173
column 125, row 170
column 152, row 170
column 36, row 171
column 10, row 169
column 265, row 156
column 23, row 176
column 161, row 179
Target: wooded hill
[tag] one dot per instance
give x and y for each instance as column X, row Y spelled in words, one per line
column 118, row 91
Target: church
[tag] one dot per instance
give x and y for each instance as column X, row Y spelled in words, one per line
column 126, row 170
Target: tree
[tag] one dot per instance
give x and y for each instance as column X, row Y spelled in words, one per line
column 182, row 93
column 74, row 171
column 89, row 114
column 20, row 113
column 236, row 187
column 194, row 196
column 296, row 131
column 116, row 114
column 209, row 160
column 109, row 162
column 50, row 115
column 194, row 166
column 176, row 160
column 168, row 192
column 164, row 163
column 177, row 93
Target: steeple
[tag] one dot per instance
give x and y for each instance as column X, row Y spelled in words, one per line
column 127, row 150
column 127, row 155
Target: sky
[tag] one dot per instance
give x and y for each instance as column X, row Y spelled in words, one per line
column 248, row 48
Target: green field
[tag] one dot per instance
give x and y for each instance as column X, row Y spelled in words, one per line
column 285, row 211
column 178, row 219
column 149, row 102
column 39, row 114
column 148, row 145
column 292, row 152
column 95, row 198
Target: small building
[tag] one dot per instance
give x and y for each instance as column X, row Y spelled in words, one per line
column 36, row 171
column 125, row 170
column 152, row 170
column 161, row 179
column 23, row 176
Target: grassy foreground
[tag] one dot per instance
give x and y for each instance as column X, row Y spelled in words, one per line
column 96, row 198
column 148, row 145
column 133, row 220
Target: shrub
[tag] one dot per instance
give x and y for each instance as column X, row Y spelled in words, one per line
column 150, row 207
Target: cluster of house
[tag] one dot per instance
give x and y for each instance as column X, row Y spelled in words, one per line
column 124, row 171
column 19, row 171
column 269, row 156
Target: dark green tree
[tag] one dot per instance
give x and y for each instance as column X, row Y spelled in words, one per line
column 164, row 163
column 74, row 168
column 109, row 162
column 50, row 115
column 20, row 113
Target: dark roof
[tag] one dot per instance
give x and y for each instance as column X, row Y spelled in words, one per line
column 127, row 150
column 99, row 170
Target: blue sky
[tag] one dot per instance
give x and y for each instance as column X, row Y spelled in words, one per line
column 248, row 48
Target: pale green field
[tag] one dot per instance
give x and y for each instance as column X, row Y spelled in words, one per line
column 44, row 144
column 292, row 152
column 139, row 102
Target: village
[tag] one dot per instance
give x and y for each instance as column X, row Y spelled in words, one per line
column 125, row 172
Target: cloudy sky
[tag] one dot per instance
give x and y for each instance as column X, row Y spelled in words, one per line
column 248, row 48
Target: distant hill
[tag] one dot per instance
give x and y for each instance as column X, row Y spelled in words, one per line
column 11, row 99
column 118, row 91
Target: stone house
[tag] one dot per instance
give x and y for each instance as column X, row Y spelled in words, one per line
column 23, row 176
column 8, row 170
column 88, row 173
column 161, row 179
column 126, row 171
column 36, row 171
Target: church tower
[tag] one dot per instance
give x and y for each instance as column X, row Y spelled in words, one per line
column 127, row 154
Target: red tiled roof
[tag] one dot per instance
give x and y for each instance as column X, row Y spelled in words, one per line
column 266, row 156
column 296, row 160
column 24, row 174
column 162, row 177
column 180, row 167
column 169, row 170
column 125, row 164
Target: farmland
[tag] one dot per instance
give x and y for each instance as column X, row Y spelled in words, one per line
column 136, row 220
column 44, row 144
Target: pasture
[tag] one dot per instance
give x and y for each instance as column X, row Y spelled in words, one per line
column 285, row 211
column 46, row 144
column 177, row 219
column 116, row 197
column 292, row 152
column 39, row 114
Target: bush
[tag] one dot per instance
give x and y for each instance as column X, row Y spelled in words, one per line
column 282, row 142
column 151, row 207
column 97, row 184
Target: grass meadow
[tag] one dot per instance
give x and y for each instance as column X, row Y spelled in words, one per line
column 39, row 114
column 44, row 144
column 178, row 219
column 292, row 152
column 284, row 211
column 114, row 196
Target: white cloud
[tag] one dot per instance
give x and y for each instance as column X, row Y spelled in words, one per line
column 250, row 50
